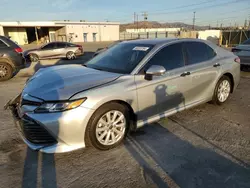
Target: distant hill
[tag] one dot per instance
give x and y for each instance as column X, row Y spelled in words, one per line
column 154, row 24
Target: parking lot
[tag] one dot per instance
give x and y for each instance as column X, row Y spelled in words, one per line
column 207, row 146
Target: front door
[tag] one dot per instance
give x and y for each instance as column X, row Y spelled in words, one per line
column 166, row 93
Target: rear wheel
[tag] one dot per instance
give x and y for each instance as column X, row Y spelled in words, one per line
column 70, row 55
column 34, row 57
column 6, row 71
column 222, row 90
column 108, row 126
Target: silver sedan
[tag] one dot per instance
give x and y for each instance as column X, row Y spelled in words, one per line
column 64, row 108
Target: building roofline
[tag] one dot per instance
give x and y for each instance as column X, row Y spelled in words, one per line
column 51, row 23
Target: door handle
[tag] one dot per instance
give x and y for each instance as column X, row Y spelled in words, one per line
column 185, row 74
column 216, row 65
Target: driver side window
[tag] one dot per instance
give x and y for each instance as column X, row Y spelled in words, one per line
column 170, row 57
column 48, row 46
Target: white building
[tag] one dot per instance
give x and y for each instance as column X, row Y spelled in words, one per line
column 153, row 30
column 29, row 32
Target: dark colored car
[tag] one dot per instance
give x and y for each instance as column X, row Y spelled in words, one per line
column 54, row 50
column 243, row 52
column 11, row 58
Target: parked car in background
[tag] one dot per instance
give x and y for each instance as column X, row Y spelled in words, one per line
column 243, row 51
column 100, row 50
column 54, row 50
column 11, row 58
column 63, row 108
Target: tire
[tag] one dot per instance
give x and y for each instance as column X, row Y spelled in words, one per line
column 222, row 90
column 6, row 71
column 93, row 136
column 70, row 55
column 33, row 57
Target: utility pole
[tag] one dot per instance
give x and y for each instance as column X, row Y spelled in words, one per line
column 137, row 18
column 249, row 22
column 134, row 18
column 194, row 21
column 145, row 16
column 245, row 24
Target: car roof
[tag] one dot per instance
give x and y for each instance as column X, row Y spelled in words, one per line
column 152, row 41
column 165, row 41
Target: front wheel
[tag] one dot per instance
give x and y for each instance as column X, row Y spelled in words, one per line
column 222, row 90
column 108, row 126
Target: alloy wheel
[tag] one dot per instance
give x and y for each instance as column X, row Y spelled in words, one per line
column 223, row 90
column 111, row 127
column 3, row 71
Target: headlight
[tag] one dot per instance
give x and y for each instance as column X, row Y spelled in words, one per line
column 60, row 106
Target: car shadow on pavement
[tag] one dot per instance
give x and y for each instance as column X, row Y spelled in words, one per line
column 187, row 165
column 32, row 162
column 39, row 168
column 161, row 153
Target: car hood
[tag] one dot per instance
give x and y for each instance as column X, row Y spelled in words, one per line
column 62, row 82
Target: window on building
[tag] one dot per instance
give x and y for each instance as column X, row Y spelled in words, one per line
column 170, row 57
column 85, row 37
column 94, row 37
column 198, row 52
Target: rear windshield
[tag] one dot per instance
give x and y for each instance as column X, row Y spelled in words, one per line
column 246, row 42
column 121, row 58
column 9, row 42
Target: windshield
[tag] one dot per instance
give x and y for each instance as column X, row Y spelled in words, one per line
column 121, row 58
column 246, row 42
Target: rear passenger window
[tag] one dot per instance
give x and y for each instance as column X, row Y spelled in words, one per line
column 2, row 44
column 60, row 45
column 170, row 57
column 198, row 52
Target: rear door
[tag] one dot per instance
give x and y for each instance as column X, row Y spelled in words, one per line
column 202, row 64
column 59, row 50
column 164, row 93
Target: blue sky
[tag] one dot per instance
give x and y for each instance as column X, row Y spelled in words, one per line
column 207, row 11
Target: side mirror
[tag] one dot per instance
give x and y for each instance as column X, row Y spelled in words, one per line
column 154, row 70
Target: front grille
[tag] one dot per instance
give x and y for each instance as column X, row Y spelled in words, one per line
column 34, row 132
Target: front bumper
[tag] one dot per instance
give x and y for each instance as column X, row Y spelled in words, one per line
column 53, row 132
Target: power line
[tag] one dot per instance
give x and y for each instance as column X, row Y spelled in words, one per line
column 195, row 9
column 184, row 6
column 200, row 8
